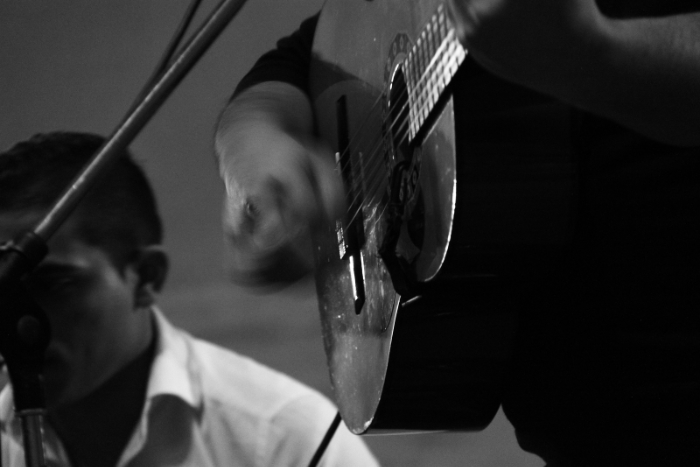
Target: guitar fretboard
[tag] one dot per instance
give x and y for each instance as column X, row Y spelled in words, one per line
column 430, row 66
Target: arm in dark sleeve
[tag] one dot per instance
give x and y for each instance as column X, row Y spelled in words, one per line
column 288, row 62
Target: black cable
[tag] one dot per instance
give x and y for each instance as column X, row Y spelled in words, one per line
column 169, row 51
column 0, row 448
column 175, row 41
column 326, row 440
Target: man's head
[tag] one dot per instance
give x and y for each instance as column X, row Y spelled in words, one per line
column 119, row 214
column 104, row 265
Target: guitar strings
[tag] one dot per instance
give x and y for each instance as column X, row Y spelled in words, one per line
column 434, row 63
column 439, row 52
column 373, row 108
column 374, row 183
column 377, row 178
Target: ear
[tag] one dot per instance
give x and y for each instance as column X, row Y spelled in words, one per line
column 151, row 267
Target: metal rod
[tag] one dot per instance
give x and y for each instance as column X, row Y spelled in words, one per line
column 139, row 116
column 33, row 436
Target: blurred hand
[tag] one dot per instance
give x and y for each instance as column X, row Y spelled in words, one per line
column 280, row 187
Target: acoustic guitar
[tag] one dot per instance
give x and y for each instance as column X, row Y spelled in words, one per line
column 459, row 192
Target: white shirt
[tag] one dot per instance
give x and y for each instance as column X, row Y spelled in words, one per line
column 207, row 406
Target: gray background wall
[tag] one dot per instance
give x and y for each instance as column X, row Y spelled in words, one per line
column 78, row 65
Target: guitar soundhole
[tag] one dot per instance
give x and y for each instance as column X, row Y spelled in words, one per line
column 405, row 216
column 406, row 160
column 415, row 224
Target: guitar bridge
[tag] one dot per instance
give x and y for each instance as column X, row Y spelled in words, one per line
column 350, row 231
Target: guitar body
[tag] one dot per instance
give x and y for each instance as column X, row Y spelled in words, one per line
column 456, row 201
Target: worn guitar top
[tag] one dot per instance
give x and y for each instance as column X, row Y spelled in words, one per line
column 607, row 352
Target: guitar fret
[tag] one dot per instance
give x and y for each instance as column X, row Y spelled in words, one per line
column 442, row 25
column 411, row 88
column 433, row 62
column 430, row 52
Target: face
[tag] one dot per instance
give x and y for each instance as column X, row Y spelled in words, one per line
column 97, row 315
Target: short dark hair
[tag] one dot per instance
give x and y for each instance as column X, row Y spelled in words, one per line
column 118, row 213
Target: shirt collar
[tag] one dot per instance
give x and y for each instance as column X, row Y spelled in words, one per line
column 173, row 372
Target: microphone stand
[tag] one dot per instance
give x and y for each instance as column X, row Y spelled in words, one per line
column 24, row 328
column 23, row 340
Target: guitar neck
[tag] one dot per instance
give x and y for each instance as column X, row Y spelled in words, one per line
column 430, row 66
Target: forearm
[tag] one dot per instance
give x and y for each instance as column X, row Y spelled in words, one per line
column 644, row 74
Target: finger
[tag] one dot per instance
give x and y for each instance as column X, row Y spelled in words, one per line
column 309, row 191
column 454, row 16
column 273, row 247
column 461, row 19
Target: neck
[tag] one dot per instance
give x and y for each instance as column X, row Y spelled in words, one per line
column 95, row 429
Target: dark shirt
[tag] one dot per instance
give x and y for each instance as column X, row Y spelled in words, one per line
column 606, row 367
